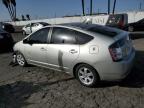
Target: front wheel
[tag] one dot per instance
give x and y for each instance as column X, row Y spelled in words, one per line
column 87, row 75
column 20, row 59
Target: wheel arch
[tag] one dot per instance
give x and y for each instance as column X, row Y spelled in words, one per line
column 75, row 66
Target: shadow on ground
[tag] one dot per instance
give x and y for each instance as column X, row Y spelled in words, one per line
column 15, row 95
column 136, row 78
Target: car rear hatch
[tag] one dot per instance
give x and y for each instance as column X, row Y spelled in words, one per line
column 122, row 47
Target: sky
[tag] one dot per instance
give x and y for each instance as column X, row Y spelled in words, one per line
column 57, row 8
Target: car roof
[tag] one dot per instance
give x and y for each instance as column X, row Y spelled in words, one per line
column 95, row 28
column 87, row 26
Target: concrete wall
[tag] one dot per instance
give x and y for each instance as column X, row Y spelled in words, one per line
column 97, row 19
column 135, row 16
column 101, row 19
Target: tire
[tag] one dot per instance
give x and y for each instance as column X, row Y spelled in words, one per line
column 130, row 28
column 20, row 59
column 87, row 75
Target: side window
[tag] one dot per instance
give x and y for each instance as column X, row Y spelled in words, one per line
column 63, row 36
column 83, row 38
column 40, row 37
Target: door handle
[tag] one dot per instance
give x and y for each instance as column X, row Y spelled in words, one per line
column 43, row 49
column 73, row 51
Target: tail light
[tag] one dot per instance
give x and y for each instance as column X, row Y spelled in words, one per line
column 116, row 52
column 121, row 49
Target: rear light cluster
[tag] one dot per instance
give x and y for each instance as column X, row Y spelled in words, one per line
column 116, row 52
column 120, row 49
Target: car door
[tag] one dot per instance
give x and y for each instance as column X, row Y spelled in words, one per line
column 62, row 50
column 36, row 48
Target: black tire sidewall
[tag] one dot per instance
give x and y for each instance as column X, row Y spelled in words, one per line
column 96, row 76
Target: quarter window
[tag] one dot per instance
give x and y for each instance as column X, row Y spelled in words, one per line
column 40, row 37
column 63, row 36
column 83, row 38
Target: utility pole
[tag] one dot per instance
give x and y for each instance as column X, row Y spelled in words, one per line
column 108, row 6
column 91, row 7
column 140, row 6
column 83, row 7
column 114, row 6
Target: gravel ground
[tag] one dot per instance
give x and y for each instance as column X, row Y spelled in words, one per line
column 34, row 87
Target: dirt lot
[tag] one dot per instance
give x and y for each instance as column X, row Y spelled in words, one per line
column 34, row 87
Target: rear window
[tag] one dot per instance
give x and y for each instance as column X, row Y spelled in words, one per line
column 83, row 38
column 103, row 31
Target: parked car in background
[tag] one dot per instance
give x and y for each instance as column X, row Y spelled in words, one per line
column 7, row 27
column 87, row 51
column 117, row 21
column 6, row 41
column 136, row 26
column 28, row 29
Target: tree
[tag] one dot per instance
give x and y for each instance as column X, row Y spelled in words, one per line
column 5, row 2
column 11, row 6
column 14, row 5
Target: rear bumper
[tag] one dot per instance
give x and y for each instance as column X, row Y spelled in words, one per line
column 115, row 71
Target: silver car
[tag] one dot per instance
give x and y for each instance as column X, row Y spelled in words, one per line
column 32, row 27
column 88, row 52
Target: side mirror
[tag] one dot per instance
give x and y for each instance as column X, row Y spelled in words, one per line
column 26, row 41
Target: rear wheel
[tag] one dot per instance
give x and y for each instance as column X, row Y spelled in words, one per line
column 87, row 75
column 20, row 59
